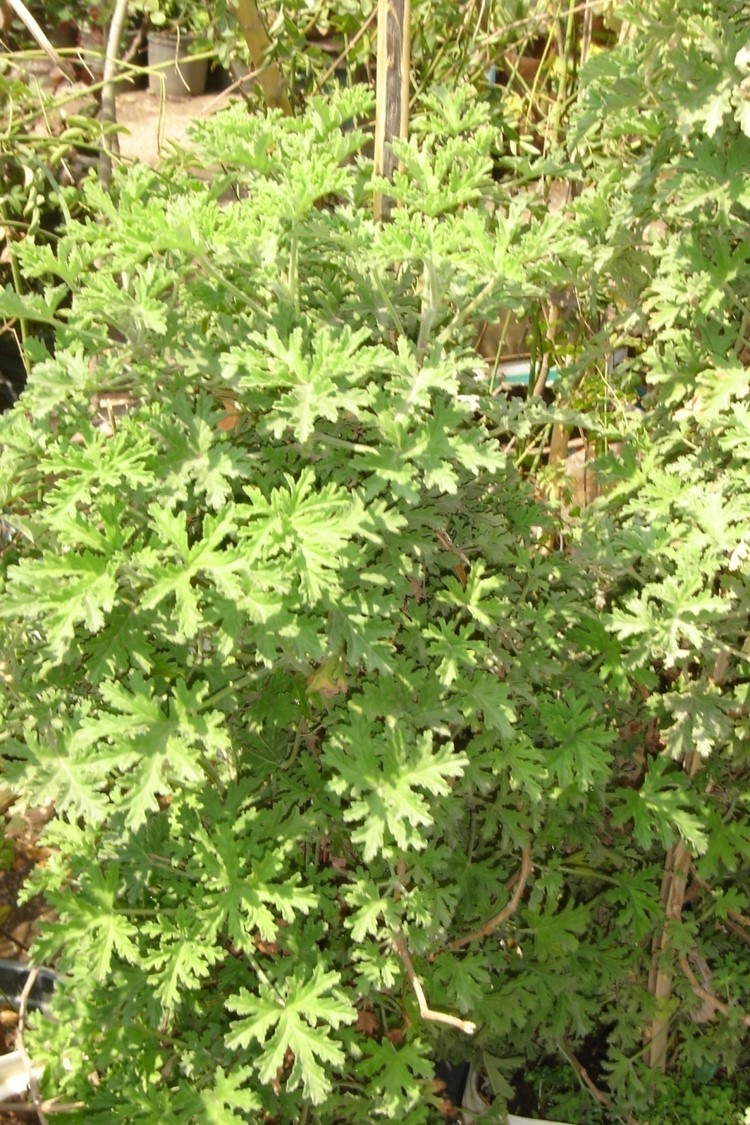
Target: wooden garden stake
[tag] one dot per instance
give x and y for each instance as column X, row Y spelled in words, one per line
column 269, row 76
column 392, row 112
column 674, row 884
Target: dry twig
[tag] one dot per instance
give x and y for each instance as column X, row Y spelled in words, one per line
column 706, row 996
column 348, row 49
column 425, row 1011
column 584, row 1075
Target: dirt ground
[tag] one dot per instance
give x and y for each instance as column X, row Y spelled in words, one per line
column 19, row 854
column 153, row 123
column 150, row 122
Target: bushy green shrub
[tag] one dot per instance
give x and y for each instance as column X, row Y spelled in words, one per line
column 685, row 1104
column 285, row 640
column 324, row 695
column 668, row 131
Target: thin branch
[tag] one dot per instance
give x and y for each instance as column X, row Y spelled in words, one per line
column 21, row 1046
column 740, row 919
column 520, row 879
column 708, row 997
column 535, row 18
column 674, row 882
column 583, row 1074
column 425, row 1011
column 674, row 885
column 5, row 933
column 348, row 49
column 243, row 80
column 602, row 1098
column 737, row 929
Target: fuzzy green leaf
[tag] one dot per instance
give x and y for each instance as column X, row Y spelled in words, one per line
column 298, row 1017
column 383, row 781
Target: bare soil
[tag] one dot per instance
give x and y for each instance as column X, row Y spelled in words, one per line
column 152, row 124
column 19, row 854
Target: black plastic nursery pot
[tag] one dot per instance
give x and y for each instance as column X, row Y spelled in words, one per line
column 16, row 988
column 14, row 976
column 91, row 50
column 175, row 73
column 462, row 1090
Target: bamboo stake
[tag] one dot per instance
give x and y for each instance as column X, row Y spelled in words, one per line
column 269, row 76
column 392, row 111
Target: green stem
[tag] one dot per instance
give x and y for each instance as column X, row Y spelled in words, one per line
column 430, row 308
column 567, row 69
column 339, row 443
column 217, row 275
column 263, row 977
column 229, row 689
column 166, row 865
column 533, row 91
column 589, row 873
column 211, row 774
column 467, row 311
column 388, row 303
column 144, row 911
column 294, row 268
column 17, row 285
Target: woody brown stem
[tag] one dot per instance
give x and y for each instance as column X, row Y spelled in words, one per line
column 706, row 996
column 585, row 1077
column 740, row 919
column 674, row 884
column 269, row 76
column 520, row 879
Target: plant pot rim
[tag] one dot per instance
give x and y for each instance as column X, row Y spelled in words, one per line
column 15, row 1074
column 182, row 36
column 514, row 1120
